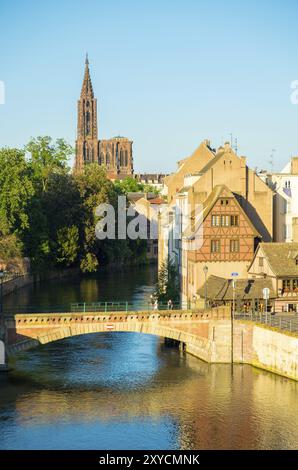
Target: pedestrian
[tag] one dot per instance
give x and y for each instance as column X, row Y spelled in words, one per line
column 170, row 304
column 156, row 305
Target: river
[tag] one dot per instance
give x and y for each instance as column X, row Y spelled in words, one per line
column 130, row 391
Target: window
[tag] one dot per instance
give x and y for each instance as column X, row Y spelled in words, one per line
column 215, row 221
column 234, row 220
column 234, row 246
column 287, row 230
column 261, row 262
column 286, row 285
column 215, row 246
column 224, row 202
column 224, row 220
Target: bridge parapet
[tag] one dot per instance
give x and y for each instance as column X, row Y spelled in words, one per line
column 26, row 319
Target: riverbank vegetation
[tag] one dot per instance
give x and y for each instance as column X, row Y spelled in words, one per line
column 47, row 213
column 167, row 287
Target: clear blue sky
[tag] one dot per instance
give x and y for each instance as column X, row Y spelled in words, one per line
column 167, row 74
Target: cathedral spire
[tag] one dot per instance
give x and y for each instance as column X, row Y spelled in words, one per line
column 87, row 89
column 87, row 138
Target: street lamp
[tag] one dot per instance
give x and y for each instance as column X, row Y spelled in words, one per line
column 205, row 269
column 232, row 320
column 234, row 288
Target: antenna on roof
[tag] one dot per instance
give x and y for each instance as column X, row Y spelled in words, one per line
column 271, row 160
column 236, row 145
column 231, row 135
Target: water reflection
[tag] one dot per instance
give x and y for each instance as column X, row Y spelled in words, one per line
column 128, row 391
column 134, row 284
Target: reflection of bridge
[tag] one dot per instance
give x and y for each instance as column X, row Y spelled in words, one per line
column 209, row 334
column 195, row 329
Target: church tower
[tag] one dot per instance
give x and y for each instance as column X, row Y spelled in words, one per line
column 87, row 133
column 114, row 154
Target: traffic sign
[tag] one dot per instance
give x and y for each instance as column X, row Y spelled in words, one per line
column 234, row 274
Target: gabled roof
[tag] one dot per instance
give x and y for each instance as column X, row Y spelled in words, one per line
column 211, row 163
column 218, row 191
column 281, row 257
column 192, row 163
column 221, row 289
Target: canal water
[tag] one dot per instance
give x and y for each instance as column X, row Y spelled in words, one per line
column 129, row 391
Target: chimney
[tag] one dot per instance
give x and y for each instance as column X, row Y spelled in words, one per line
column 294, row 165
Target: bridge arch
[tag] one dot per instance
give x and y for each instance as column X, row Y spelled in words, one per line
column 191, row 327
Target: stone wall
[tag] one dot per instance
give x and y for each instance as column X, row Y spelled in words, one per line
column 23, row 281
column 275, row 351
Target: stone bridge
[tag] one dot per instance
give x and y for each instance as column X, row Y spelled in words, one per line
column 209, row 334
column 196, row 330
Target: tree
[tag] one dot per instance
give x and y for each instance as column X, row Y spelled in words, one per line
column 94, row 188
column 67, row 245
column 131, row 185
column 10, row 247
column 47, row 158
column 128, row 185
column 89, row 263
column 59, row 206
column 167, row 287
column 16, row 191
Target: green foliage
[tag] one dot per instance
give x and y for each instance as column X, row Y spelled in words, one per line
column 128, row 185
column 167, row 287
column 10, row 247
column 47, row 158
column 89, row 263
column 67, row 245
column 16, row 191
column 131, row 185
column 48, row 214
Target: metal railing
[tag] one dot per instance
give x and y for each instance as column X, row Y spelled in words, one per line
column 283, row 322
column 81, row 307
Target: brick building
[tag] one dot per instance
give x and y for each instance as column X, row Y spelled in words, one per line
column 213, row 198
column 115, row 154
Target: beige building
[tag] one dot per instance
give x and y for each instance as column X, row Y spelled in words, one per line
column 217, row 194
column 278, row 262
column 285, row 206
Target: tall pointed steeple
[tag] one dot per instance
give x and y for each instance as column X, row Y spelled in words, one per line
column 87, row 89
column 87, row 134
